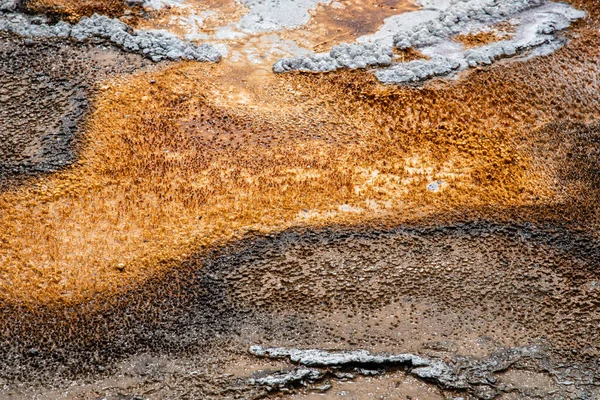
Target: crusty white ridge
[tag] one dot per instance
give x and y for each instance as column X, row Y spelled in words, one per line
column 430, row 31
column 156, row 45
column 461, row 373
column 458, row 16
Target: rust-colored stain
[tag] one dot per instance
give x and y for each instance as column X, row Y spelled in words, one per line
column 72, row 10
column 344, row 21
column 501, row 31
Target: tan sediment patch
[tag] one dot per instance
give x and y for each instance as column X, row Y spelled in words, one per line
column 471, row 40
column 406, row 55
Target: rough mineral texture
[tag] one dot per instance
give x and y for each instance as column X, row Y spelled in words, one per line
column 431, row 31
column 156, row 45
column 475, row 376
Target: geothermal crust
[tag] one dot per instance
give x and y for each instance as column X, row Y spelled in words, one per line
column 156, row 4
column 9, row 5
column 156, row 45
column 262, row 16
column 273, row 15
column 430, row 31
column 474, row 376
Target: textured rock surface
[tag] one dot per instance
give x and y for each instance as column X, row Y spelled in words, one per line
column 322, row 358
column 475, row 376
column 457, row 17
column 343, row 56
column 156, row 45
column 418, row 70
column 431, row 30
column 472, row 286
column 419, row 366
column 9, row 5
column 45, row 86
column 156, row 4
column 284, row 379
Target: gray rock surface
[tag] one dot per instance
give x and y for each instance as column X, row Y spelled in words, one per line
column 155, row 4
column 420, row 366
column 9, row 5
column 323, row 358
column 418, row 70
column 155, row 45
column 284, row 379
column 537, row 29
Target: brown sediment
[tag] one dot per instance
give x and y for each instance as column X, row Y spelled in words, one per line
column 396, row 385
column 498, row 32
column 406, row 55
column 344, row 21
column 470, row 40
column 73, row 10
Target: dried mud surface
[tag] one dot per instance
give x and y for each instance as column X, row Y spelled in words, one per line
column 507, row 257
column 470, row 289
column 45, row 90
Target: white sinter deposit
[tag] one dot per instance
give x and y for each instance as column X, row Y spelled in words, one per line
column 9, row 5
column 256, row 30
column 422, row 367
column 528, row 28
column 156, row 4
column 156, row 45
column 534, row 26
column 465, row 374
column 275, row 15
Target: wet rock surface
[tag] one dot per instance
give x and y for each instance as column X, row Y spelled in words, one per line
column 45, row 89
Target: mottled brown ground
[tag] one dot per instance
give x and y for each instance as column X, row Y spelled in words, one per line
column 135, row 249
column 72, row 10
